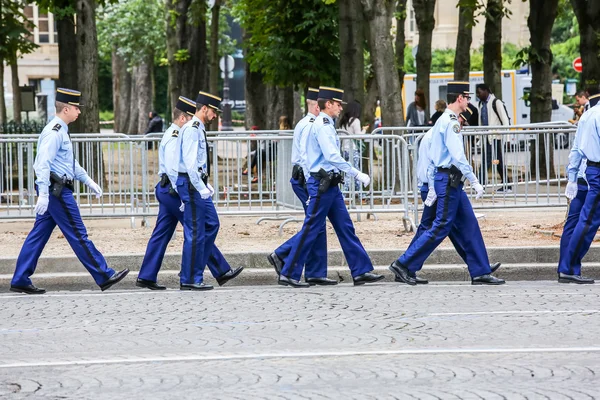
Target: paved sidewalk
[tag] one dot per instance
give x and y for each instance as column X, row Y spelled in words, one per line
column 384, row 341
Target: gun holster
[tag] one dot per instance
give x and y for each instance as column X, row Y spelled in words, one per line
column 455, row 177
column 325, row 180
column 298, row 175
column 164, row 181
column 57, row 184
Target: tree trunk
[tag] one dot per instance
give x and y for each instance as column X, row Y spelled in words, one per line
column 172, row 16
column 280, row 103
column 400, row 40
column 3, row 118
column 379, row 14
column 370, row 102
column 214, row 54
column 462, row 57
column 425, row 23
column 352, row 58
column 299, row 109
column 121, row 92
column 542, row 14
column 588, row 16
column 195, row 70
column 87, row 64
column 134, row 108
column 14, row 71
column 492, row 47
column 255, row 93
column 67, row 53
column 143, row 83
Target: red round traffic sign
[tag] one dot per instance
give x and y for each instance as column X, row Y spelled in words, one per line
column 577, row 64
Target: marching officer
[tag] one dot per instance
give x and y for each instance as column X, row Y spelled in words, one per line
column 56, row 169
column 453, row 211
column 200, row 219
column 316, row 263
column 583, row 188
column 171, row 208
column 325, row 199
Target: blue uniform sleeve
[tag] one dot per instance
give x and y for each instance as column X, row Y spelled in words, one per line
column 46, row 153
column 326, row 138
column 575, row 156
column 81, row 174
column 189, row 155
column 455, row 147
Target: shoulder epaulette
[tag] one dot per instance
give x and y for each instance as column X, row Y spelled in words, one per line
column 196, row 124
column 175, row 134
column 311, row 120
column 453, row 117
column 56, row 127
column 325, row 121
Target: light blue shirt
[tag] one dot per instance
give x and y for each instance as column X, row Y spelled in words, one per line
column 323, row 148
column 447, row 146
column 587, row 137
column 168, row 156
column 55, row 154
column 193, row 151
column 424, row 161
column 297, row 150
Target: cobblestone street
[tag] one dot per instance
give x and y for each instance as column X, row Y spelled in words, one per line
column 523, row 340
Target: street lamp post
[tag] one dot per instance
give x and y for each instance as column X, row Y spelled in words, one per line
column 226, row 64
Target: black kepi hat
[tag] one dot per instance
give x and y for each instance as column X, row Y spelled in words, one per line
column 312, row 94
column 209, row 100
column 594, row 99
column 186, row 105
column 459, row 88
column 69, row 96
column 466, row 115
column 329, row 93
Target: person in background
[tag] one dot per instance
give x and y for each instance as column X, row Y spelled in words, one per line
column 352, row 149
column 415, row 114
column 377, row 122
column 155, row 124
column 440, row 107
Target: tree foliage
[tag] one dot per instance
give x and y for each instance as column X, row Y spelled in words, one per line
column 291, row 43
column 134, row 27
column 14, row 31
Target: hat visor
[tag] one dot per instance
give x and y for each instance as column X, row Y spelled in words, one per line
column 76, row 105
column 216, row 109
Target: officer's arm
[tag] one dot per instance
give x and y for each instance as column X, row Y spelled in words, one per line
column 456, row 148
column 326, row 139
column 46, row 153
column 575, row 155
column 171, row 161
column 189, row 155
column 303, row 146
column 81, row 174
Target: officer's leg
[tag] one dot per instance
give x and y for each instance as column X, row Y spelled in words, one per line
column 166, row 223
column 302, row 195
column 217, row 264
column 570, row 224
column 212, row 225
column 32, row 249
column 446, row 208
column 356, row 255
column 193, row 233
column 427, row 218
column 589, row 221
column 304, row 241
column 66, row 214
column 466, row 230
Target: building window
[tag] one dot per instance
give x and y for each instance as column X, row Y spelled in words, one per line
column 42, row 25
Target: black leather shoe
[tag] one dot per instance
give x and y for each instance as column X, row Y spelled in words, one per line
column 149, row 284
column 367, row 277
column 285, row 281
column 29, row 289
column 195, row 286
column 276, row 262
column 321, row 281
column 116, row 278
column 229, row 275
column 402, row 274
column 420, row 281
column 487, row 279
column 494, row 267
column 564, row 278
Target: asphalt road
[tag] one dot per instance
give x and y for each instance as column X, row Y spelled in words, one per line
column 523, row 340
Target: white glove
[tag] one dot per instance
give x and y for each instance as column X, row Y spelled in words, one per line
column 205, row 193
column 363, row 178
column 431, row 197
column 209, row 187
column 479, row 190
column 42, row 204
column 182, row 207
column 571, row 190
column 95, row 188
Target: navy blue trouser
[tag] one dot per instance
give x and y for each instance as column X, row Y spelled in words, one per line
column 200, row 228
column 320, row 206
column 427, row 219
column 166, row 223
column 62, row 211
column 316, row 262
column 575, row 207
column 587, row 225
column 453, row 213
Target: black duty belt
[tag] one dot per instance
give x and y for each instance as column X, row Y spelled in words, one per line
column 203, row 176
column 593, row 163
column 581, row 181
